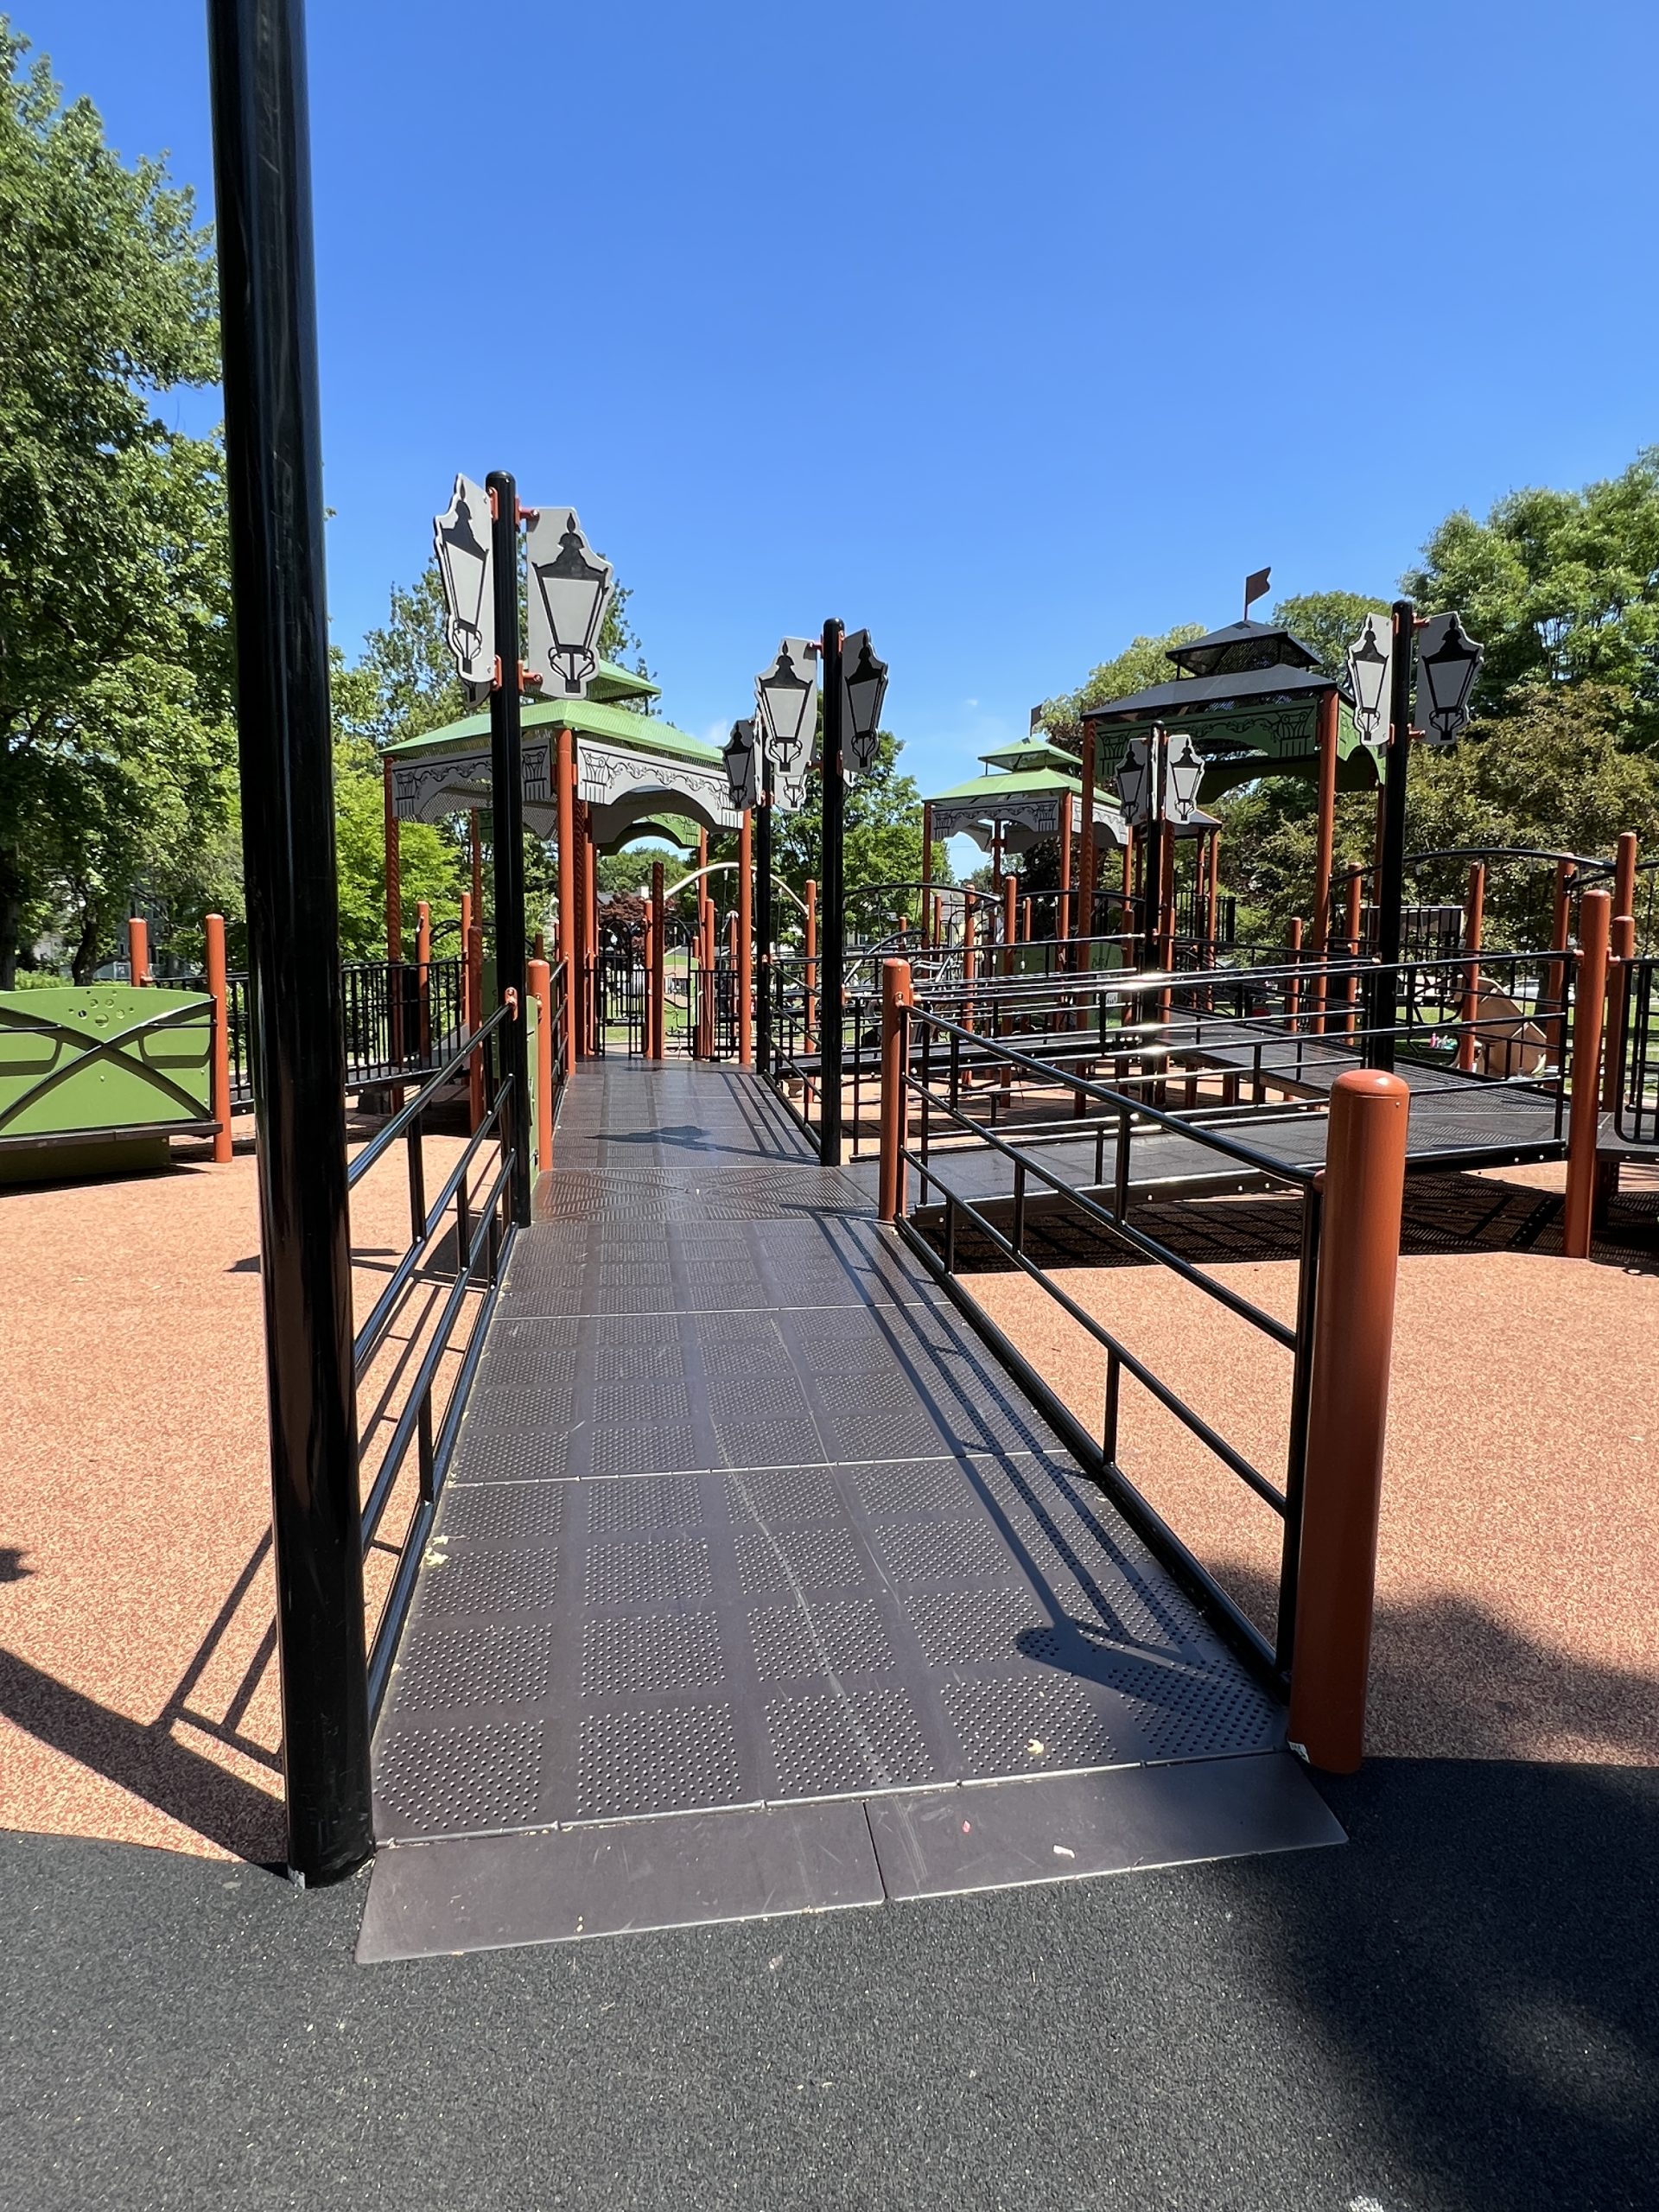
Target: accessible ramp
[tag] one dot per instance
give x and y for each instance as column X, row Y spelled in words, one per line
column 758, row 1587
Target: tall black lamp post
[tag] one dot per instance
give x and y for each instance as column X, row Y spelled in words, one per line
column 1448, row 660
column 274, row 482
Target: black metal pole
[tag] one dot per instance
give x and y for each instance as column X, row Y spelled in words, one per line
column 274, row 481
column 763, row 922
column 1390, row 890
column 833, row 907
column 1152, row 909
column 507, row 809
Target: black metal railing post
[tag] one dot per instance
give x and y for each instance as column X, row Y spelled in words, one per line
column 274, row 482
column 507, row 807
column 832, row 894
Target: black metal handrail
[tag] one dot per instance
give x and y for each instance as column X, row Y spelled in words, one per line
column 936, row 1101
column 484, row 1233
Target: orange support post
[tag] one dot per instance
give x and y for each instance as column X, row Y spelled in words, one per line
column 564, row 796
column 393, row 873
column 1624, row 874
column 1583, row 1117
column 539, row 976
column 658, row 1000
column 1363, row 1183
column 1063, row 902
column 475, row 1022
column 1555, row 989
column 1086, row 843
column 219, row 1095
column 1293, row 995
column 1010, row 920
column 1474, row 922
column 423, row 973
column 1212, row 892
column 746, row 940
column 927, row 861
column 138, row 949
column 1025, row 921
column 896, row 998
column 811, row 975
column 1356, row 900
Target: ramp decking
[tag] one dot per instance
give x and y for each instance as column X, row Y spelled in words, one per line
column 758, row 1587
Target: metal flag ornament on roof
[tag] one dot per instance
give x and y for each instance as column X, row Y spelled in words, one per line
column 1256, row 587
column 1368, row 660
column 1448, row 661
column 460, row 537
column 570, row 588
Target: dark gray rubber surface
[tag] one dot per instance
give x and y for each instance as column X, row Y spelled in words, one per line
column 1459, row 2012
column 743, row 1514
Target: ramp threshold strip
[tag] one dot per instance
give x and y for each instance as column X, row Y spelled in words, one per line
column 757, row 1587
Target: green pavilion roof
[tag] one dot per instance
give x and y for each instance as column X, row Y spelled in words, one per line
column 588, row 718
column 1030, row 752
column 1032, row 782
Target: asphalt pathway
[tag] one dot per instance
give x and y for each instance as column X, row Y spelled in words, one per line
column 1458, row 2011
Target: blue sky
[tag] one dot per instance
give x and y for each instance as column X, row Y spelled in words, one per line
column 1009, row 331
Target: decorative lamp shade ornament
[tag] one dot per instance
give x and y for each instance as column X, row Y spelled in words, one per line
column 570, row 594
column 1448, row 661
column 1134, row 781
column 1370, row 657
column 863, row 686
column 786, row 694
column 1183, row 773
column 742, row 757
column 460, row 537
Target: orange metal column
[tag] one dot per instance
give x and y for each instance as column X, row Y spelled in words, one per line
column 896, row 997
column 1474, row 920
column 475, row 1021
column 1293, row 995
column 424, row 973
column 1364, row 1185
column 1324, row 847
column 746, row 940
column 564, row 799
column 1063, row 903
column 658, row 998
column 539, row 977
column 927, row 862
column 393, row 872
column 1086, row 844
column 1584, row 1121
column 138, row 949
column 812, row 974
column 219, row 1094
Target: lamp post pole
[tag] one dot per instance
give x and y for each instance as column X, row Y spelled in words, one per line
column 763, row 957
column 832, row 958
column 507, row 807
column 274, row 483
column 1380, row 1016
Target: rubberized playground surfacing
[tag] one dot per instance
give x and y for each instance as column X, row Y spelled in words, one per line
column 1518, row 1616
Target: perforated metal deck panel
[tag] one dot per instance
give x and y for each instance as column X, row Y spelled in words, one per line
column 746, row 1532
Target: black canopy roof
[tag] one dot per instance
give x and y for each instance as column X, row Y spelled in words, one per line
column 1243, row 646
column 1183, row 695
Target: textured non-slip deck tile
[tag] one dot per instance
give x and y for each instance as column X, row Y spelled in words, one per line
column 742, row 1514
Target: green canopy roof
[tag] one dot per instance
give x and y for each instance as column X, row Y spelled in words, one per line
column 588, row 718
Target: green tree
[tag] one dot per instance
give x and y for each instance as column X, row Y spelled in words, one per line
column 1143, row 663
column 1560, row 587
column 116, row 740
column 1328, row 621
column 882, row 837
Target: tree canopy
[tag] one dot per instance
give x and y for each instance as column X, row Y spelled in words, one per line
column 117, row 747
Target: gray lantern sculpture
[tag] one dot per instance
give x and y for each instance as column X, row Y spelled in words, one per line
column 786, row 695
column 460, row 537
column 1179, row 771
column 1183, row 773
column 741, row 754
column 1134, row 781
column 569, row 593
column 864, row 686
column 1448, row 661
column 1369, row 658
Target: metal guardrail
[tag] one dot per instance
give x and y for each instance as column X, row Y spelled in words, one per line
column 483, row 1238
column 938, row 1103
column 1636, row 1085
